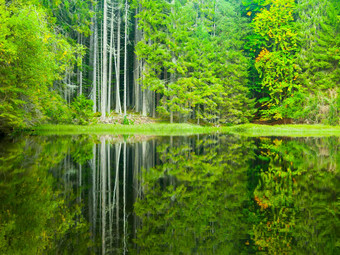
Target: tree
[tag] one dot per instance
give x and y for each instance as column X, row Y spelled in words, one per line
column 186, row 42
column 32, row 57
column 318, row 60
column 276, row 63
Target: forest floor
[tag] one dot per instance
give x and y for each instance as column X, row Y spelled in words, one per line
column 166, row 129
column 132, row 118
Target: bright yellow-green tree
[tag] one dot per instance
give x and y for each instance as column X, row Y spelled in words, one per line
column 276, row 61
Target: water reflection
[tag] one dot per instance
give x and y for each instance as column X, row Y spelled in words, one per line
column 215, row 194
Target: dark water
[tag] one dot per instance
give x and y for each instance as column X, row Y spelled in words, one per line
column 212, row 194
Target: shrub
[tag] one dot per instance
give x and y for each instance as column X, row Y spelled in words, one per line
column 81, row 108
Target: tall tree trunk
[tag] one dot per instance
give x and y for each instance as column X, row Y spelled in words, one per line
column 104, row 85
column 94, row 81
column 112, row 50
column 81, row 67
column 118, row 104
column 144, row 97
column 172, row 75
column 125, row 54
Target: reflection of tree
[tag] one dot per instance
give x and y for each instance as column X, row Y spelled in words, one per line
column 34, row 217
column 296, row 198
column 192, row 202
column 208, row 195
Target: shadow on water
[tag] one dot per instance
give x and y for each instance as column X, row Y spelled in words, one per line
column 203, row 194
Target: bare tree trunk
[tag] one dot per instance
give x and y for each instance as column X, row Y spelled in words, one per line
column 81, row 70
column 112, row 46
column 104, row 85
column 125, row 53
column 172, row 75
column 118, row 104
column 94, row 81
column 144, row 98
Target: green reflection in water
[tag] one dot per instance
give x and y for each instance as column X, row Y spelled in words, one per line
column 193, row 201
column 213, row 194
column 297, row 196
column 239, row 196
column 37, row 214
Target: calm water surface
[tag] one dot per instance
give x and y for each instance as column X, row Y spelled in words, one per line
column 211, row 194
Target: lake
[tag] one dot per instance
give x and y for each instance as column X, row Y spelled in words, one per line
column 201, row 194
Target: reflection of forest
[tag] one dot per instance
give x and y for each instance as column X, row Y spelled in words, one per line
column 38, row 213
column 213, row 194
column 297, row 196
column 193, row 201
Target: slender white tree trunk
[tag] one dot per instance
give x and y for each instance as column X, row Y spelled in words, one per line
column 104, row 68
column 172, row 75
column 118, row 104
column 81, row 70
column 144, row 91
column 94, row 81
column 125, row 55
column 110, row 58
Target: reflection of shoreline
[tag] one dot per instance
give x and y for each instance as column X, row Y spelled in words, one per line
column 193, row 192
column 130, row 139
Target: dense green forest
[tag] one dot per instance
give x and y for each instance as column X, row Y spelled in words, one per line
column 204, row 61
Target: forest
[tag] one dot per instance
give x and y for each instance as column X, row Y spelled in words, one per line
column 214, row 62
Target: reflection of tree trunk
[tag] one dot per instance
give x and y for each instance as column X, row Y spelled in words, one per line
column 79, row 184
column 104, row 196
column 118, row 148
column 103, row 190
column 124, row 196
column 135, row 185
column 109, row 194
column 94, row 202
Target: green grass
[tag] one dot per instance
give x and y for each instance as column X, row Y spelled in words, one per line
column 160, row 129
column 164, row 129
column 286, row 130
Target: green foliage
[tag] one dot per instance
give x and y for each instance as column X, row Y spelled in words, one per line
column 71, row 15
column 126, row 121
column 193, row 201
column 193, row 58
column 321, row 108
column 296, row 196
column 276, row 62
column 298, row 65
column 56, row 109
column 35, row 216
column 31, row 59
column 82, row 112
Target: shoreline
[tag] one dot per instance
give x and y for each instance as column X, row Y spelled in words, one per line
column 166, row 129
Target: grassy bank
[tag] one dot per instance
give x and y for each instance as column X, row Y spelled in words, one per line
column 286, row 130
column 159, row 129
column 164, row 129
